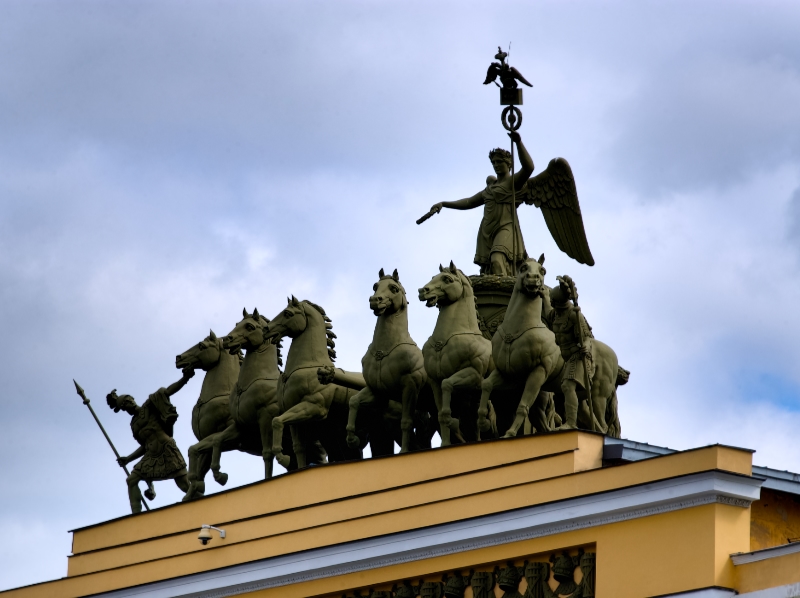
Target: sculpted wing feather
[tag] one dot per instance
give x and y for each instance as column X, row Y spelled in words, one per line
column 518, row 76
column 491, row 74
column 554, row 192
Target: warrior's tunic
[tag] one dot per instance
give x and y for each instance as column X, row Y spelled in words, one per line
column 497, row 229
column 152, row 428
column 565, row 327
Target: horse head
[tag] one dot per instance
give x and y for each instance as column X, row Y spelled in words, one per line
column 389, row 296
column 291, row 322
column 445, row 288
column 530, row 277
column 204, row 355
column 248, row 334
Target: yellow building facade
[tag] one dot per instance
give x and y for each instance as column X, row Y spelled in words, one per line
column 564, row 514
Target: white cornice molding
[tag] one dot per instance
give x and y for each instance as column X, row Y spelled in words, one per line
column 703, row 593
column 790, row 591
column 743, row 558
column 490, row 530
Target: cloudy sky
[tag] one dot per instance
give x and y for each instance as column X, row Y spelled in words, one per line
column 163, row 164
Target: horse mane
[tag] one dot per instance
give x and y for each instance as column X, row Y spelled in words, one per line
column 239, row 353
column 278, row 345
column 328, row 329
column 465, row 281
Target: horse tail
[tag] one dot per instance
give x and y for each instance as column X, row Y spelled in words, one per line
column 622, row 376
column 612, row 416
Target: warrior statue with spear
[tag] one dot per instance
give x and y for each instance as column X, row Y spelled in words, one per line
column 151, row 425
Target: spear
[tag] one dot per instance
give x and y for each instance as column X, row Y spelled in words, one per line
column 86, row 402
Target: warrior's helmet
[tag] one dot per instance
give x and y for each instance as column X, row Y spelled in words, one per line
column 559, row 298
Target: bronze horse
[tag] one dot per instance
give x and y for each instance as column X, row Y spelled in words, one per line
column 303, row 399
column 524, row 351
column 211, row 414
column 393, row 367
column 457, row 354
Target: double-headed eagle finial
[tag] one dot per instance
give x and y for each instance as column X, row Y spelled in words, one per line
column 507, row 73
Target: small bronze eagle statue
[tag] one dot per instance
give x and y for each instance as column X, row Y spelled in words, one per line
column 507, row 73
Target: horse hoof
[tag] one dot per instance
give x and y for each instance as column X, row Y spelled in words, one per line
column 221, row 478
column 484, row 425
column 283, row 460
column 510, row 434
column 353, row 441
column 189, row 496
column 150, row 494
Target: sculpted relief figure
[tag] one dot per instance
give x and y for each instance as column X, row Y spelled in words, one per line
column 152, row 425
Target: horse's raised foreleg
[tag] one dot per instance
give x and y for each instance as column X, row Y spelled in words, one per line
column 363, row 397
column 312, row 407
column 228, row 437
column 487, row 386
column 466, row 378
column 265, row 417
column 199, row 463
column 532, row 387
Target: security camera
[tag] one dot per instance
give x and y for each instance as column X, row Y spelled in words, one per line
column 205, row 534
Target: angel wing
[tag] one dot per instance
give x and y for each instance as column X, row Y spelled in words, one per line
column 491, row 74
column 554, row 192
column 518, row 76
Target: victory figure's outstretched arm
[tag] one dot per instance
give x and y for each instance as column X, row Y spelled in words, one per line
column 503, row 171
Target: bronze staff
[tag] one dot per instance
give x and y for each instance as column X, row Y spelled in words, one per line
column 86, row 402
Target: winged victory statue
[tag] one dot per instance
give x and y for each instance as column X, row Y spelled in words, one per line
column 500, row 247
column 499, row 244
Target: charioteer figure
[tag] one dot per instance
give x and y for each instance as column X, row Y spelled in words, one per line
column 152, row 425
column 575, row 339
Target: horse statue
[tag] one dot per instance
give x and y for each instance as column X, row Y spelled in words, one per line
column 524, row 351
column 211, row 414
column 457, row 354
column 252, row 401
column 392, row 368
column 303, row 399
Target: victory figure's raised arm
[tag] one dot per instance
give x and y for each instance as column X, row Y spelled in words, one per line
column 495, row 248
column 553, row 190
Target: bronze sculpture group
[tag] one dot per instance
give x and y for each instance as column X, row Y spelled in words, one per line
column 520, row 360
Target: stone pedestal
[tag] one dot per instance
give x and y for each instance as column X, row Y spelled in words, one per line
column 492, row 294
